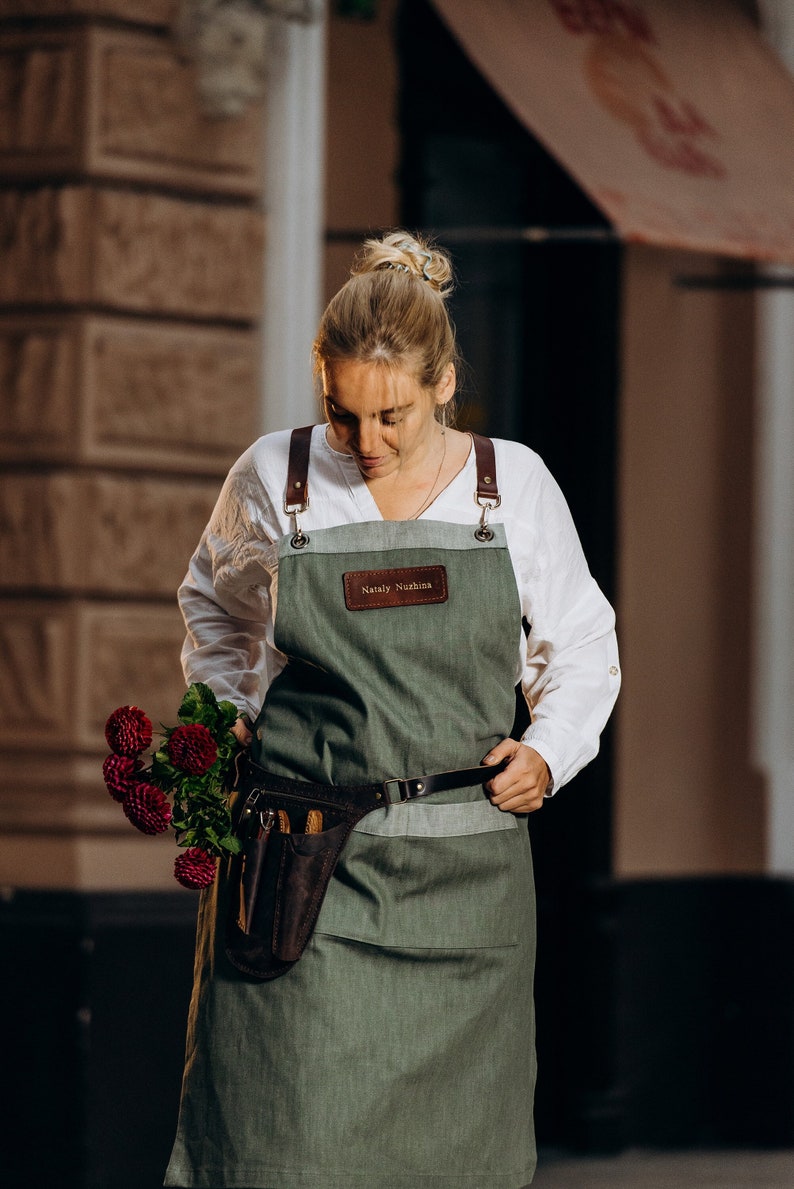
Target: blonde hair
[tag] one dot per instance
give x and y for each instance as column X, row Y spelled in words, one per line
column 393, row 310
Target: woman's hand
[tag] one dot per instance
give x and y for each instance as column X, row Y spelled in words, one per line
column 520, row 788
column 242, row 731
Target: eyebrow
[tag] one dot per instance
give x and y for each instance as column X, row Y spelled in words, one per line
column 379, row 412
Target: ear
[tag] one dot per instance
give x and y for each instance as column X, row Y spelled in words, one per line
column 445, row 388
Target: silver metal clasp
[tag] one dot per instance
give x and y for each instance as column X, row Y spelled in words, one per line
column 484, row 532
column 299, row 539
column 267, row 819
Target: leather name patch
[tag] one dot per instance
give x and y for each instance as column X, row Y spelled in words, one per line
column 408, row 587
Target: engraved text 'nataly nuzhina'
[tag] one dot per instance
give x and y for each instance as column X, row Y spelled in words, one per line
column 410, row 586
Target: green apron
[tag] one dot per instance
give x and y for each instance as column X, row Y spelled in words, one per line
column 399, row 1051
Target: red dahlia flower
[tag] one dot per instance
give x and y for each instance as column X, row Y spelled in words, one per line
column 119, row 773
column 194, row 869
column 128, row 731
column 147, row 808
column 192, row 748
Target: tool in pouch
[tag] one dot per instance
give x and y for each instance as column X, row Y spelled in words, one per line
column 280, row 877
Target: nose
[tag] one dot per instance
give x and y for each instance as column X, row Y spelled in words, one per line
column 368, row 437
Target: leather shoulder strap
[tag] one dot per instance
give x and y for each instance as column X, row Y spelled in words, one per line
column 297, row 493
column 487, row 487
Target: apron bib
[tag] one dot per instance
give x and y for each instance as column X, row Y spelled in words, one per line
column 399, row 1051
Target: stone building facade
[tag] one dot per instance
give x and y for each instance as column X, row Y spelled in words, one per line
column 131, row 247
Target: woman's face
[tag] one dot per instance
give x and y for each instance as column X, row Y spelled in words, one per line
column 381, row 415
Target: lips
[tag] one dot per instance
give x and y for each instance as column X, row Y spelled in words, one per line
column 370, row 463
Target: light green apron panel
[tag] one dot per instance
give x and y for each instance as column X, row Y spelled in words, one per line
column 399, row 1052
column 423, row 819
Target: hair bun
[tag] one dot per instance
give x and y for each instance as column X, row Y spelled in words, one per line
column 407, row 254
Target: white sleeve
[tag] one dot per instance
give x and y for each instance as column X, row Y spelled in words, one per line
column 225, row 596
column 571, row 678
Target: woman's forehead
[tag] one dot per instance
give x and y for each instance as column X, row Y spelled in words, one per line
column 372, row 385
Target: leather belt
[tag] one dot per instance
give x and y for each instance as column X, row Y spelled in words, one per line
column 396, row 790
column 408, row 788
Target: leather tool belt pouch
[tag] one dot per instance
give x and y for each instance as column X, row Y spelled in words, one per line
column 292, row 835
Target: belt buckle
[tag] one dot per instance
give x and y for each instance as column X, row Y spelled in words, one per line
column 407, row 788
column 390, row 800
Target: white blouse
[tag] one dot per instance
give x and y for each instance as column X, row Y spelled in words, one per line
column 568, row 667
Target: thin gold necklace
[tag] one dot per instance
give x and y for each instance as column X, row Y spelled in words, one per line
column 429, row 495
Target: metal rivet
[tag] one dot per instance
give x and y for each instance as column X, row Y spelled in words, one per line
column 298, row 485
column 419, row 786
column 487, row 479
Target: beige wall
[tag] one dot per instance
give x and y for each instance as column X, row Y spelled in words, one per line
column 363, row 134
column 686, row 798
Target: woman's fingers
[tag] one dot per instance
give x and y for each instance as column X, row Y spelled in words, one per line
column 241, row 732
column 521, row 786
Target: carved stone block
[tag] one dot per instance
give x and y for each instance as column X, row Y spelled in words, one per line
column 178, row 257
column 125, row 250
column 139, row 12
column 37, row 643
column 41, row 98
column 39, row 408
column 45, row 240
column 70, row 663
column 129, row 655
column 83, row 388
column 116, row 104
column 44, row 856
column 76, row 532
column 149, row 124
column 173, row 397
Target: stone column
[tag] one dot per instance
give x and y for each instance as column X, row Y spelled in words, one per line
column 130, row 283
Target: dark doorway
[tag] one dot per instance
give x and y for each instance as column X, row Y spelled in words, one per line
column 538, row 326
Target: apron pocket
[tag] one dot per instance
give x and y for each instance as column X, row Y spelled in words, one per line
column 434, row 890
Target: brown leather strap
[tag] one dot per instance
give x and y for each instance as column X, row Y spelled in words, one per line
column 297, row 493
column 359, row 799
column 487, row 488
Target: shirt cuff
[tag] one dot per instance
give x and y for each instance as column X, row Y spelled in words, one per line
column 546, row 753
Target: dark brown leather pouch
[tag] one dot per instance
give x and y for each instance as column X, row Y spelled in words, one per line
column 279, row 879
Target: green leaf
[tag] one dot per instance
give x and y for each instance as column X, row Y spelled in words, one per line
column 227, row 715
column 199, row 700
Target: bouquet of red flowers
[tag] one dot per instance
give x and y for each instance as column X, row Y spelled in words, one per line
column 185, row 783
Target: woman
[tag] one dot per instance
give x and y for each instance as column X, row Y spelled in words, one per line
column 382, row 615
